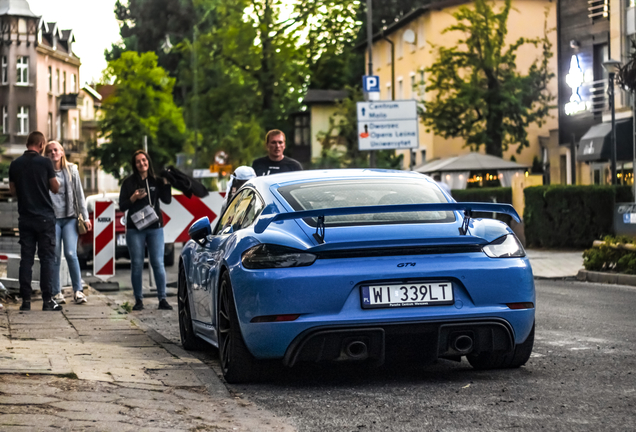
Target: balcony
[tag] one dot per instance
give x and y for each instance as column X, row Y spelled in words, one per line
column 598, row 9
column 68, row 101
column 74, row 147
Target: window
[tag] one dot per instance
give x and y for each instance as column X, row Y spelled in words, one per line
column 400, row 45
column 23, row 120
column 241, row 211
column 302, row 130
column 22, row 26
column 355, row 193
column 5, row 70
column 74, row 130
column 389, row 92
column 73, row 83
column 23, row 70
column 49, row 126
column 57, row 81
column 389, row 53
column 400, row 94
column 413, row 89
column 421, row 84
column 421, row 34
column 50, row 80
column 88, row 174
column 64, row 82
column 5, row 120
column 58, row 127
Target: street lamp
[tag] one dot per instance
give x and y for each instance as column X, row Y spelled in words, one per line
column 612, row 67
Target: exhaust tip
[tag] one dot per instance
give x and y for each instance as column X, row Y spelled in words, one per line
column 357, row 350
column 462, row 344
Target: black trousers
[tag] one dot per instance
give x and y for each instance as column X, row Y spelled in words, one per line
column 38, row 232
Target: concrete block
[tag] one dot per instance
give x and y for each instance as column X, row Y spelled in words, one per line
column 13, row 270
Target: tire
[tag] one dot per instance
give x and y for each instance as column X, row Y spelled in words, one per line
column 189, row 340
column 168, row 259
column 237, row 363
column 501, row 360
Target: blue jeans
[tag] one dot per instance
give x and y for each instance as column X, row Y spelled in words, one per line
column 66, row 232
column 136, row 241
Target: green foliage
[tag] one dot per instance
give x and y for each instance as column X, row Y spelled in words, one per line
column 478, row 93
column 340, row 141
column 141, row 105
column 569, row 216
column 612, row 256
column 495, row 194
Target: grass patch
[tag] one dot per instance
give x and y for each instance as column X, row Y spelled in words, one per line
column 71, row 375
column 127, row 307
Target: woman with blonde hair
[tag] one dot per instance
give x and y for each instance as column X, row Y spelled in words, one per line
column 68, row 202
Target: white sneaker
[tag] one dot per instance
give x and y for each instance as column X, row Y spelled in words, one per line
column 59, row 299
column 79, row 297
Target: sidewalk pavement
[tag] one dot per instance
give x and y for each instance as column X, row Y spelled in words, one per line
column 554, row 263
column 92, row 367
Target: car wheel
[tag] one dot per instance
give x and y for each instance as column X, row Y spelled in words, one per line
column 500, row 360
column 237, row 363
column 168, row 259
column 188, row 339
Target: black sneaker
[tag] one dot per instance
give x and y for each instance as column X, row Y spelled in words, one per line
column 139, row 305
column 163, row 304
column 26, row 305
column 51, row 305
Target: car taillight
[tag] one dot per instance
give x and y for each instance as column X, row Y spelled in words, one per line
column 265, row 256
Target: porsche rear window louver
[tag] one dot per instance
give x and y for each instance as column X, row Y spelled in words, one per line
column 398, row 251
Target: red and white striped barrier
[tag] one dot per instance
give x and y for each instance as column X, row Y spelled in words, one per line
column 104, row 240
column 179, row 215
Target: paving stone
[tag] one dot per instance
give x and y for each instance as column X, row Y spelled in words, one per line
column 85, row 396
column 36, row 388
column 176, row 377
column 190, row 395
column 152, row 387
column 95, row 407
column 35, row 421
column 92, row 416
column 136, row 392
column 26, row 400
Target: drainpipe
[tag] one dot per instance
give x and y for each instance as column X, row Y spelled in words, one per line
column 392, row 64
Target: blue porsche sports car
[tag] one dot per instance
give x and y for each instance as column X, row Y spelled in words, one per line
column 355, row 265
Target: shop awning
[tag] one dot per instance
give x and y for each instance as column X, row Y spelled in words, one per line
column 596, row 144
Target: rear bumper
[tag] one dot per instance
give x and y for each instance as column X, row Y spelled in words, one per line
column 417, row 341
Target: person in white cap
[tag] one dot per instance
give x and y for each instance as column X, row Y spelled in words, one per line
column 240, row 176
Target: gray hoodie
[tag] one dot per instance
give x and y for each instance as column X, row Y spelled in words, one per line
column 63, row 200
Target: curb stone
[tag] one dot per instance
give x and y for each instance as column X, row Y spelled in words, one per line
column 608, row 278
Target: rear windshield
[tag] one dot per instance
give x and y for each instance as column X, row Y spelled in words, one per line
column 321, row 195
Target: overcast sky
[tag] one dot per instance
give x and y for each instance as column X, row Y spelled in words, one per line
column 94, row 26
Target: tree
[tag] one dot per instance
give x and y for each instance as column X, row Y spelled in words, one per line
column 340, row 141
column 478, row 94
column 141, row 105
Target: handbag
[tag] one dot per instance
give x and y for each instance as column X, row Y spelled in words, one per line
column 147, row 215
column 81, row 223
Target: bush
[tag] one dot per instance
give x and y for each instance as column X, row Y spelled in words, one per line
column 500, row 195
column 611, row 257
column 561, row 216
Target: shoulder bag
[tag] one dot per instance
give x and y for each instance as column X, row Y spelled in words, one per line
column 147, row 215
column 81, row 223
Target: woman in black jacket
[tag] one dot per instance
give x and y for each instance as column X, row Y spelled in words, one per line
column 139, row 190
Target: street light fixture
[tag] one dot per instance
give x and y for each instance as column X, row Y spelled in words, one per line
column 612, row 67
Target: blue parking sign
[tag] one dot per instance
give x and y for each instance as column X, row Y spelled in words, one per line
column 371, row 83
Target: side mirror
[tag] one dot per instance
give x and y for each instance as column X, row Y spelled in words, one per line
column 200, row 229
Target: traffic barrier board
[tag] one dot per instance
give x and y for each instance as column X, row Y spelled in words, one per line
column 182, row 212
column 104, row 239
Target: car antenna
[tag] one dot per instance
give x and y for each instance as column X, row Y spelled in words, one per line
column 464, row 228
column 319, row 235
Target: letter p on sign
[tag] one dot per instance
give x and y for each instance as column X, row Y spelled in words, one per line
column 371, row 83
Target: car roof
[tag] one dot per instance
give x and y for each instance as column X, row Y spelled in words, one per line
column 333, row 174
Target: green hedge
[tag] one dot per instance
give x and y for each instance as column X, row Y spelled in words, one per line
column 495, row 194
column 561, row 216
column 500, row 194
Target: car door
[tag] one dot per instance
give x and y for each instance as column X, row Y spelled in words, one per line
column 208, row 258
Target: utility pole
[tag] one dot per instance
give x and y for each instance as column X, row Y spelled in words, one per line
column 370, row 71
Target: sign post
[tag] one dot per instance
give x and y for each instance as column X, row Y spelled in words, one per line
column 104, row 240
column 386, row 125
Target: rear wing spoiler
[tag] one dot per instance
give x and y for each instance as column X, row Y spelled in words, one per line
column 267, row 217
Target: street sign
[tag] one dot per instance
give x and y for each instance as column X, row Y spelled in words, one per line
column 104, row 239
column 371, row 83
column 384, row 125
column 183, row 211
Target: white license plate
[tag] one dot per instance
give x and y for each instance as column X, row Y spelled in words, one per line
column 121, row 240
column 408, row 294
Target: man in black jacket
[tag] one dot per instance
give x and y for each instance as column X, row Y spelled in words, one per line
column 275, row 162
column 31, row 176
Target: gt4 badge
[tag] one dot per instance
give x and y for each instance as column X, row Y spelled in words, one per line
column 408, row 264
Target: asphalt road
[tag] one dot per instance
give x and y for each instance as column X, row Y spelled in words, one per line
column 581, row 376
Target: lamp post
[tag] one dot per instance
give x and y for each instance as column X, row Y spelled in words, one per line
column 612, row 67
